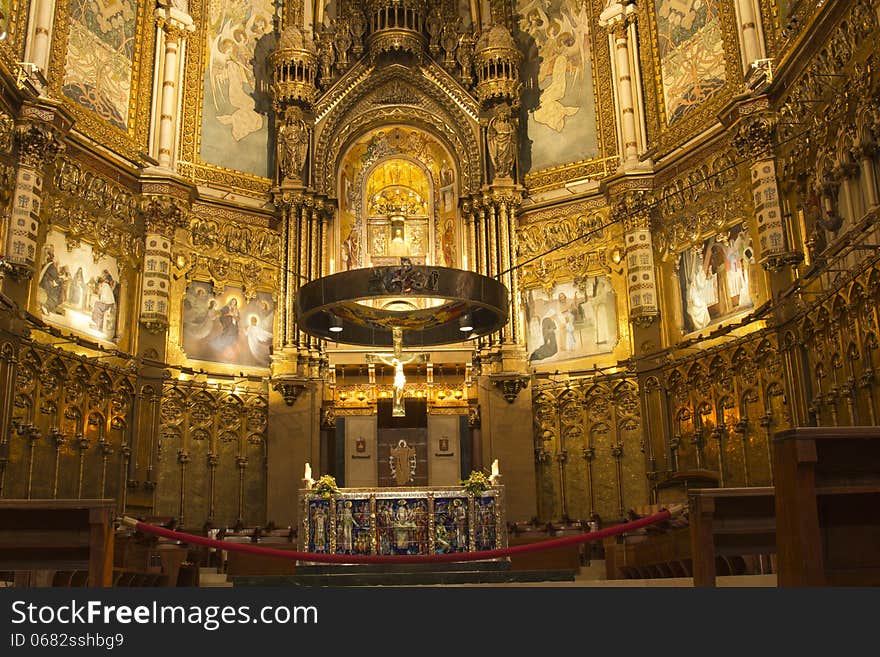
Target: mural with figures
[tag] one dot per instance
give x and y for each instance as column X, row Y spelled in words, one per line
column 235, row 129
column 555, row 38
column 451, row 525
column 353, row 528
column 572, row 320
column 227, row 328
column 717, row 280
column 100, row 52
column 78, row 289
column 691, row 52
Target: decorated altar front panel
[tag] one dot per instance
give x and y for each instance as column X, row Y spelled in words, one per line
column 403, row 521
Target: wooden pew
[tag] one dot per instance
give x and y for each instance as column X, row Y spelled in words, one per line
column 561, row 558
column 649, row 556
column 242, row 564
column 828, row 506
column 729, row 522
column 50, row 535
column 729, row 531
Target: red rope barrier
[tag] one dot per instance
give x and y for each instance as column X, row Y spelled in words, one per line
column 404, row 558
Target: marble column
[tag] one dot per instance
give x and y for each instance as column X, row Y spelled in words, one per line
column 754, row 140
column 619, row 18
column 749, row 30
column 173, row 26
column 641, row 282
column 39, row 46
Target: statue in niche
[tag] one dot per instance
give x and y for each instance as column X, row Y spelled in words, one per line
column 402, row 463
column 501, row 134
column 293, row 144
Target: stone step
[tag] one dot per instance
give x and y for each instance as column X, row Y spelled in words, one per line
column 212, row 578
column 495, row 565
column 409, row 578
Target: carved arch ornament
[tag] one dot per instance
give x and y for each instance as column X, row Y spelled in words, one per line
column 453, row 124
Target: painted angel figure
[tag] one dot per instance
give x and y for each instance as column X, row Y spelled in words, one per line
column 232, row 82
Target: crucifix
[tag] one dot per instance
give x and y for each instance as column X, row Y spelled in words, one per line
column 396, row 360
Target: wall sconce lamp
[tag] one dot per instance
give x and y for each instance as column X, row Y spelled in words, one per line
column 361, row 396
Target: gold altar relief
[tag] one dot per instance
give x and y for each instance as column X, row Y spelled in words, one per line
column 403, row 457
column 402, row 463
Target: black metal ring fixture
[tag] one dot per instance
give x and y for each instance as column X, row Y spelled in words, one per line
column 347, row 307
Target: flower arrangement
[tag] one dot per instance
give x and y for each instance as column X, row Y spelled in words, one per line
column 325, row 486
column 477, row 483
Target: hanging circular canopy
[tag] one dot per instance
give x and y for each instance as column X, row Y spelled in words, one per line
column 431, row 305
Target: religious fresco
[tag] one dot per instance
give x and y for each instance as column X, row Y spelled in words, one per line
column 227, row 328
column 235, row 133
column 691, row 52
column 573, row 320
column 319, row 526
column 353, row 527
column 78, row 289
column 397, row 170
column 559, row 96
column 100, row 55
column 717, row 280
column 485, row 523
column 451, row 529
column 402, row 526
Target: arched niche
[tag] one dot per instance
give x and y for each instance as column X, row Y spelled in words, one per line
column 397, row 187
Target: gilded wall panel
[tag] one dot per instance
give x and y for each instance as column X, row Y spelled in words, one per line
column 69, row 435
column 211, row 465
column 13, row 28
column 573, row 287
column 723, row 407
column 225, row 277
column 589, row 454
column 101, row 66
